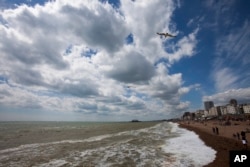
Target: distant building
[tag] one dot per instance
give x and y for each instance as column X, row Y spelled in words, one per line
column 246, row 109
column 240, row 109
column 231, row 109
column 186, row 116
column 233, row 102
column 223, row 110
column 214, row 111
column 205, row 113
column 208, row 105
column 199, row 114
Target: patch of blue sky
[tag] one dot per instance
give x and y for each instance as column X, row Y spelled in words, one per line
column 129, row 39
column 193, row 97
column 3, row 79
column 89, row 53
column 169, row 48
column 68, row 50
column 128, row 92
column 114, row 3
column 14, row 3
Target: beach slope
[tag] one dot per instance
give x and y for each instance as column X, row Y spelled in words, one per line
column 222, row 143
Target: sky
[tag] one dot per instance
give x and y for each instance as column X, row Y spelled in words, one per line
column 99, row 60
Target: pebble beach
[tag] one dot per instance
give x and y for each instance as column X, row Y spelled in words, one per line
column 224, row 141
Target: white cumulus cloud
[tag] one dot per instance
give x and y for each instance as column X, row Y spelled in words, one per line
column 72, row 56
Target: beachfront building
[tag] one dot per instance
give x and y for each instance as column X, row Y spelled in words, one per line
column 231, row 109
column 186, row 116
column 199, row 114
column 223, row 110
column 208, row 105
column 214, row 111
column 233, row 102
column 218, row 110
column 240, row 109
column 206, row 113
column 246, row 109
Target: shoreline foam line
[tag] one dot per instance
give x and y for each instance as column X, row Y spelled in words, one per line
column 188, row 148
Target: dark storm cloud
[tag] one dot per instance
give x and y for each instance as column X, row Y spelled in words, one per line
column 132, row 68
column 87, row 107
column 82, row 88
column 166, row 93
column 106, row 31
column 28, row 55
column 136, row 106
column 111, row 100
column 28, row 77
column 171, row 93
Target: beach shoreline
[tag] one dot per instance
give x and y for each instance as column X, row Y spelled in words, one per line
column 223, row 142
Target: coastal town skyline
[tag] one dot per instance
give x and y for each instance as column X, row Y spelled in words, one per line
column 223, row 111
column 102, row 60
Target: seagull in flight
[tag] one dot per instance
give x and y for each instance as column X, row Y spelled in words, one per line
column 165, row 34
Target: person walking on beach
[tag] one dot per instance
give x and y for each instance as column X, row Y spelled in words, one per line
column 244, row 140
column 238, row 135
column 217, row 130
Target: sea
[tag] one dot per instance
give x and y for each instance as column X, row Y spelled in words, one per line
column 101, row 144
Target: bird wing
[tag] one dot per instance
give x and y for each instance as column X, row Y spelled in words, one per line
column 171, row 35
column 165, row 34
column 160, row 33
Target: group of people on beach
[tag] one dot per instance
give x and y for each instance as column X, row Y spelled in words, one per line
column 215, row 130
column 243, row 138
column 236, row 135
column 242, row 134
column 239, row 135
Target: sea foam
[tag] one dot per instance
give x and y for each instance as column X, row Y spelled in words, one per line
column 188, row 149
column 142, row 147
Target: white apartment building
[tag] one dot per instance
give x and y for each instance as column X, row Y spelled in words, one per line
column 205, row 113
column 231, row 109
column 215, row 111
column 223, row 110
column 199, row 113
column 246, row 109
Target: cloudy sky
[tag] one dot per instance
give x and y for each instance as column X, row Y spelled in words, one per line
column 97, row 60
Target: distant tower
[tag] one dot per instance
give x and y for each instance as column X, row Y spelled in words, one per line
column 233, row 102
column 208, row 105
